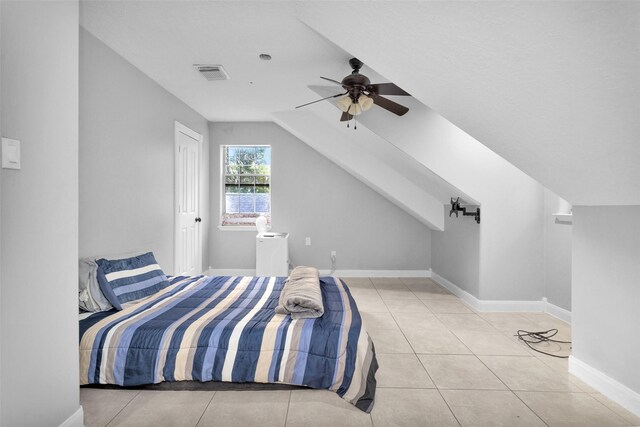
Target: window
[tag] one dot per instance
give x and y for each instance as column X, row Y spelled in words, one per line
column 246, row 171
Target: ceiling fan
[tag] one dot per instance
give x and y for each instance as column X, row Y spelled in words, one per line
column 361, row 94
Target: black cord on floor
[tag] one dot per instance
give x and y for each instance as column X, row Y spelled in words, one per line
column 537, row 337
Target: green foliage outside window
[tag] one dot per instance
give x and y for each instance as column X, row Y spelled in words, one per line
column 247, row 170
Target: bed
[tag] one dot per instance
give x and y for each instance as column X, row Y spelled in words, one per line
column 226, row 329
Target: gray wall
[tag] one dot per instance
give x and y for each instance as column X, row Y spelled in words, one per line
column 126, row 157
column 455, row 252
column 511, row 237
column 511, row 230
column 39, row 214
column 1, row 200
column 557, row 252
column 311, row 196
column 606, row 290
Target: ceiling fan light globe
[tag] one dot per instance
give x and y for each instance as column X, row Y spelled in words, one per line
column 344, row 103
column 365, row 102
column 355, row 109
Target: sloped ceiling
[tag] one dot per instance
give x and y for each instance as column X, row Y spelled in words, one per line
column 164, row 39
column 349, row 154
column 553, row 87
column 367, row 140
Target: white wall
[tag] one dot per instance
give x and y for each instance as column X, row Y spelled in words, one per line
column 39, row 215
column 127, row 159
column 557, row 252
column 455, row 252
column 606, row 291
column 311, row 196
column 511, row 229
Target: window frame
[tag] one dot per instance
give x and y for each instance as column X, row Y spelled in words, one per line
column 249, row 217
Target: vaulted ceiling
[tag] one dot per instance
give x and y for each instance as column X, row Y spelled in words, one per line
column 553, row 87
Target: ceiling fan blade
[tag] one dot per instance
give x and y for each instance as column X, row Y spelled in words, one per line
column 331, row 80
column 389, row 105
column 318, row 100
column 345, row 117
column 387, row 89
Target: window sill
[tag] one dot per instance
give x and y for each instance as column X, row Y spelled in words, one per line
column 238, row 228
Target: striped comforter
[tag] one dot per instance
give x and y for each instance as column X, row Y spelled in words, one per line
column 225, row 329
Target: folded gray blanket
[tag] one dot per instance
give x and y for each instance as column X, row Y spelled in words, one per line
column 301, row 296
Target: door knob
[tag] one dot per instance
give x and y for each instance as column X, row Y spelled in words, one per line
column 198, row 219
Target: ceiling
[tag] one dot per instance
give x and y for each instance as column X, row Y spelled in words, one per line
column 393, row 156
column 164, row 39
column 553, row 87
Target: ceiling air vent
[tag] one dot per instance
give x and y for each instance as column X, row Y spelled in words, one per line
column 212, row 72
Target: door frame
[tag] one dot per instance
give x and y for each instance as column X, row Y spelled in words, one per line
column 179, row 128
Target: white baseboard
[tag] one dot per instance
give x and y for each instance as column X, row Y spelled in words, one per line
column 486, row 305
column 619, row 393
column 499, row 305
column 338, row 273
column 75, row 420
column 556, row 311
column 523, row 306
column 378, row 273
column 465, row 296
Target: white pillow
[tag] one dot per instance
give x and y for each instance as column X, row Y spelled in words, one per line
column 90, row 297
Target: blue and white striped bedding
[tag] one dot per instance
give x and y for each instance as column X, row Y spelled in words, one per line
column 130, row 279
column 226, row 329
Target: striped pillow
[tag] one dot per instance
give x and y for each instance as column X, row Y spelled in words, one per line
column 124, row 280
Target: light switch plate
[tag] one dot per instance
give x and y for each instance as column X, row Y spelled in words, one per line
column 10, row 153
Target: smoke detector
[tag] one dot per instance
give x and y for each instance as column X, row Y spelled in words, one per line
column 212, row 72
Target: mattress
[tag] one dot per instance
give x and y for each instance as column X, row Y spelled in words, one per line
column 226, row 329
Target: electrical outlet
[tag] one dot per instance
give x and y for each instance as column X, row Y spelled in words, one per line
column 307, row 241
column 333, row 255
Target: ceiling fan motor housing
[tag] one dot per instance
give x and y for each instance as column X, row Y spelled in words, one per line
column 356, row 84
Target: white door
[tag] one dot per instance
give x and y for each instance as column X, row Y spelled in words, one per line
column 187, row 250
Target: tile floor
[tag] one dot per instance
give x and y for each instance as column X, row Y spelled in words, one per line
column 441, row 364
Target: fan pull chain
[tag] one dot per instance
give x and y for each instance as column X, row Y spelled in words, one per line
column 355, row 123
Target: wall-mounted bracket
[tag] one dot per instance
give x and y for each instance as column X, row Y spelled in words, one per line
column 455, row 208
